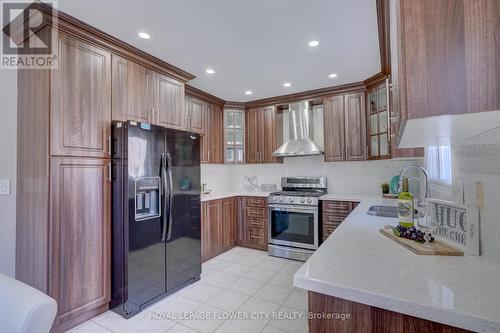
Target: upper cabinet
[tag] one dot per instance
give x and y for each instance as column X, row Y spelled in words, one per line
column 196, row 110
column 80, row 114
column 447, row 59
column 234, row 135
column 132, row 91
column 169, row 103
column 345, row 127
column 378, row 122
column 260, row 135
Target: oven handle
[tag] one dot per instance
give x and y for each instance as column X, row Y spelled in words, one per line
column 293, row 209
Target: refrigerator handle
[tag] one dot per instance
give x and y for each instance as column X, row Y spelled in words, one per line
column 163, row 176
column 170, row 196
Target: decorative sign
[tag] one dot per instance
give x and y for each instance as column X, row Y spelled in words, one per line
column 450, row 219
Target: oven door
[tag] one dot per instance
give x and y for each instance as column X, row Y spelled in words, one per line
column 293, row 226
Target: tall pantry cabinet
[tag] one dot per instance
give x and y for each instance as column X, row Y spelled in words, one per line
column 63, row 231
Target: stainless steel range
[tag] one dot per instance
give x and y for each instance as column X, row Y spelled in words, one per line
column 294, row 217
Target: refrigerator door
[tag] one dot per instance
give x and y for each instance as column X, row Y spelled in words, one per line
column 183, row 235
column 146, row 251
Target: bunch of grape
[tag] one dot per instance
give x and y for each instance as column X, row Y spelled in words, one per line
column 410, row 233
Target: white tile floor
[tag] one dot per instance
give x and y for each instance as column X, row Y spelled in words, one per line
column 241, row 282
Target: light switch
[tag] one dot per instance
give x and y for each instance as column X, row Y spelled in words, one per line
column 4, row 187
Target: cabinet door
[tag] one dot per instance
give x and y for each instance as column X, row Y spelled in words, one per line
column 216, row 135
column 214, row 210
column 196, row 109
column 80, row 243
column 242, row 226
column 206, row 236
column 80, row 119
column 355, row 126
column 251, row 136
column 169, row 103
column 267, row 136
column 229, row 223
column 132, row 91
column 334, row 122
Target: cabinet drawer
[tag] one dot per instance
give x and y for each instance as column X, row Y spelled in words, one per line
column 256, row 213
column 329, row 228
column 256, row 202
column 334, row 217
column 336, row 206
column 256, row 223
column 257, row 237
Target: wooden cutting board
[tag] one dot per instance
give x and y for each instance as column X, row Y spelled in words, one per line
column 437, row 248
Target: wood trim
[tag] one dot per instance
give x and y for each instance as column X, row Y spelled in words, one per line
column 79, row 29
column 200, row 94
column 316, row 93
column 375, row 80
column 234, row 105
column 365, row 318
column 383, row 35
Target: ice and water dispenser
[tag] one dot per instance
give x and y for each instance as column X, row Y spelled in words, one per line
column 147, row 198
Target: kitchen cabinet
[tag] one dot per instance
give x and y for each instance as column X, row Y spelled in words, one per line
column 447, row 60
column 132, row 86
column 229, row 223
column 169, row 103
column 345, row 127
column 260, row 135
column 378, row 122
column 196, row 114
column 333, row 214
column 80, row 119
column 234, row 135
column 215, row 125
column 252, row 222
column 218, row 227
column 80, row 234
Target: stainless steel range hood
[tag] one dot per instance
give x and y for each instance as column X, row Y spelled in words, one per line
column 300, row 133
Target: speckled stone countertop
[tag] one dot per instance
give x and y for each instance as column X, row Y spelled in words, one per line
column 359, row 264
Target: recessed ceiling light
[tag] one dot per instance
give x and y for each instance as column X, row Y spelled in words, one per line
column 287, row 84
column 313, row 43
column 248, row 92
column 210, row 71
column 144, row 35
column 332, row 76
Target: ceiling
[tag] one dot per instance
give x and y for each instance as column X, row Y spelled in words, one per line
column 251, row 45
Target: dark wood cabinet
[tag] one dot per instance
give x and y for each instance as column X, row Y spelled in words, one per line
column 216, row 134
column 80, row 117
column 169, row 103
column 333, row 214
column 132, row 86
column 345, row 127
column 260, row 135
column 80, row 246
column 229, row 223
column 447, row 57
column 218, row 227
column 196, row 114
column 252, row 222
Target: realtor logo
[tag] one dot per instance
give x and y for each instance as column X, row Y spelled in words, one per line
column 29, row 39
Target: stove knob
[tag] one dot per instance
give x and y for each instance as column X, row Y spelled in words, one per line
column 291, row 199
column 281, row 199
column 302, row 200
column 309, row 200
column 275, row 199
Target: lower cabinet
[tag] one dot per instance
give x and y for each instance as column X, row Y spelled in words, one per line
column 252, row 222
column 333, row 214
column 218, row 227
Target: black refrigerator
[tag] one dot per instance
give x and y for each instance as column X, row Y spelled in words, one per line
column 156, row 246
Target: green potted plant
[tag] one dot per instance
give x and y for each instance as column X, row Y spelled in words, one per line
column 385, row 188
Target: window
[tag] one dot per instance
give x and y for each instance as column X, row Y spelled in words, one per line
column 439, row 164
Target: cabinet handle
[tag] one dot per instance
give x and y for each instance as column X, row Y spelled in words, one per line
column 153, row 115
column 208, row 156
column 109, row 145
column 109, row 179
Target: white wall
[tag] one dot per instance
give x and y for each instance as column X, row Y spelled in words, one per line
column 363, row 177
column 8, row 159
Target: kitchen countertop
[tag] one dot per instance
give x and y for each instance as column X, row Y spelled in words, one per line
column 228, row 194
column 359, row 264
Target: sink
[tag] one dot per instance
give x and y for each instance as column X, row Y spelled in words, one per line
column 383, row 211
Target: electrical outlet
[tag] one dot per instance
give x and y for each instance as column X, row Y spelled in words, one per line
column 4, row 187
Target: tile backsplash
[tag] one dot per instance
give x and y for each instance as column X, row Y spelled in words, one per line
column 357, row 177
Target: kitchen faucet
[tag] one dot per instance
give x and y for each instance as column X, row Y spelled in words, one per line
column 419, row 205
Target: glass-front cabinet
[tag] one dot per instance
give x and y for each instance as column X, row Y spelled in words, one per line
column 234, row 135
column 378, row 122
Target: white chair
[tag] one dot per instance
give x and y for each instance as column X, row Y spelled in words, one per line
column 24, row 309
